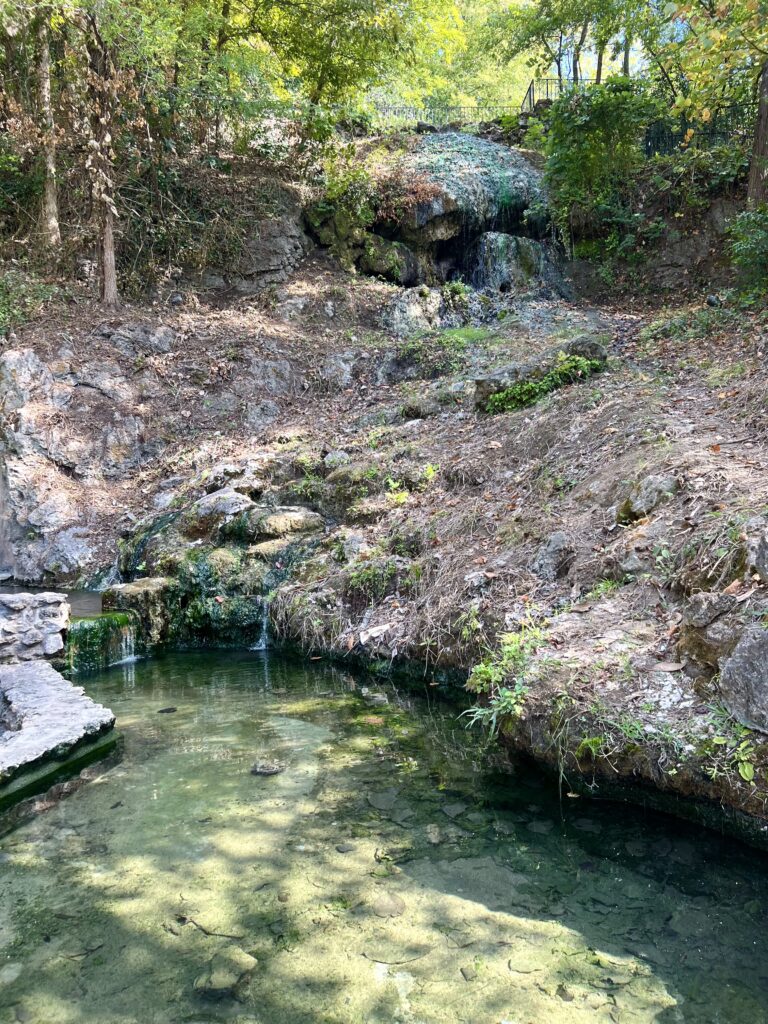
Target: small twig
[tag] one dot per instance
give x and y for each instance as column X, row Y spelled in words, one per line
column 396, row 963
column 85, row 952
column 218, row 935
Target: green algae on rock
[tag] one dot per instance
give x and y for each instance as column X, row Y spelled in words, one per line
column 95, row 643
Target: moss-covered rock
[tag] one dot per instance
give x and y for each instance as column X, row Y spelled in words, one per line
column 393, row 261
column 155, row 604
column 265, row 522
column 94, row 643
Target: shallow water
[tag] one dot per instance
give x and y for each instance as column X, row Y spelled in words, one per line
column 455, row 894
column 81, row 602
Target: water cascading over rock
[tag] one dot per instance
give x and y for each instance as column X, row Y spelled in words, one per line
column 479, row 216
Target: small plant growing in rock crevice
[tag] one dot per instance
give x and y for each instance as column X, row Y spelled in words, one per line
column 527, row 392
column 502, row 677
column 506, row 702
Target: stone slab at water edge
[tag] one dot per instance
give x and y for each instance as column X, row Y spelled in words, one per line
column 31, row 625
column 43, row 718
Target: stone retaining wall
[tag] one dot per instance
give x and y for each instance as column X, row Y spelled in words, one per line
column 31, row 626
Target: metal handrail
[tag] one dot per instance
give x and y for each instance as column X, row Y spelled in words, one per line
column 551, row 89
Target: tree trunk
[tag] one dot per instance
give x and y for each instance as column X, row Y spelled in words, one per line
column 757, row 190
column 599, row 68
column 109, row 294
column 50, row 208
column 627, row 50
column 578, row 46
column 103, row 101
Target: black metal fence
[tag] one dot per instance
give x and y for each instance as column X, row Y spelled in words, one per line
column 726, row 125
column 735, row 123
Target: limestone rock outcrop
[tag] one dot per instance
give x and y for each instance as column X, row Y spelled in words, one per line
column 32, row 626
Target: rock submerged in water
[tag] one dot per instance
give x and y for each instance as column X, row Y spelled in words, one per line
column 227, row 975
column 267, row 768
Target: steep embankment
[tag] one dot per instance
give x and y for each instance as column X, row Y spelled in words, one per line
column 435, row 477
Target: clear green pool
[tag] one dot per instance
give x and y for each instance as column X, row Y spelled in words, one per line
column 387, row 875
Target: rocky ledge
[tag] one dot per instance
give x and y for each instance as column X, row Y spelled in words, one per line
column 47, row 725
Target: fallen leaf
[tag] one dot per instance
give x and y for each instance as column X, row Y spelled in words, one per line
column 669, row 666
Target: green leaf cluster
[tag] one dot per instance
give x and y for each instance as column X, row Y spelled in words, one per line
column 527, row 392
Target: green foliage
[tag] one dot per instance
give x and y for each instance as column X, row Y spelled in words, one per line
column 510, row 661
column 731, row 750
column 526, row 392
column 594, row 146
column 602, row 589
column 506, row 702
column 592, row 745
column 21, row 184
column 21, row 298
column 372, row 580
column 749, row 245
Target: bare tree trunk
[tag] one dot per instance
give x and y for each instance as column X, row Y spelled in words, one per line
column 109, row 293
column 50, row 208
column 599, row 68
column 757, row 189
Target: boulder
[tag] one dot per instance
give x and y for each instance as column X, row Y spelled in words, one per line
column 476, row 184
column 393, row 261
column 588, row 346
column 554, row 558
column 744, row 679
column 151, row 600
column 264, row 522
column 756, row 530
column 413, row 311
column 213, row 511
column 338, row 370
column 134, row 339
column 645, row 496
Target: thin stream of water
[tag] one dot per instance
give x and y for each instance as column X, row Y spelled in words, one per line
column 386, row 875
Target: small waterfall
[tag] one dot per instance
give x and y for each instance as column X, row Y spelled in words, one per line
column 127, row 646
column 262, row 644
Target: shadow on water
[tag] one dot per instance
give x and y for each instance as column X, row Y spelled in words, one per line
column 386, row 875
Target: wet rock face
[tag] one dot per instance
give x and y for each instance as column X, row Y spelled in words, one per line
column 31, row 626
column 744, row 679
column 477, row 207
column 506, row 263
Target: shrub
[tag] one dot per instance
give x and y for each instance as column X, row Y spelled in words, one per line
column 594, row 145
column 21, row 298
column 749, row 245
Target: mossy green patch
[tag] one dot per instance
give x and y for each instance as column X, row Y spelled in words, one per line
column 94, row 643
column 527, row 392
